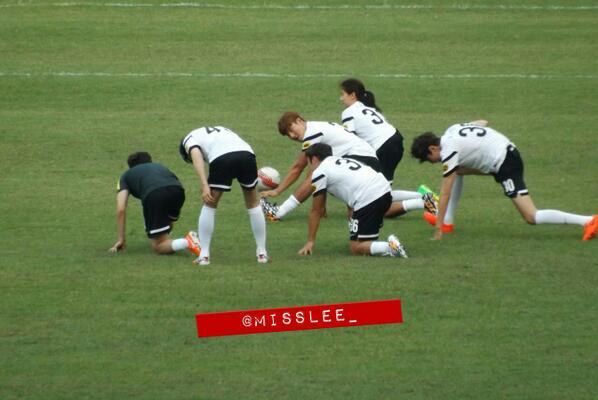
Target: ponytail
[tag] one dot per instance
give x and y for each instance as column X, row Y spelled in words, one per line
column 367, row 97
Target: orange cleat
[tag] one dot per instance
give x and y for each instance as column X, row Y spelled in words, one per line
column 591, row 228
column 193, row 243
column 431, row 219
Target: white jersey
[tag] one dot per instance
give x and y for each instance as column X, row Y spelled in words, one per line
column 342, row 141
column 355, row 183
column 368, row 124
column 215, row 141
column 473, row 146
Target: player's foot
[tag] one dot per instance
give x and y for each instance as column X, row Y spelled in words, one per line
column 591, row 228
column 202, row 261
column 423, row 189
column 431, row 219
column 270, row 210
column 263, row 258
column 193, row 243
column 396, row 248
column 430, row 204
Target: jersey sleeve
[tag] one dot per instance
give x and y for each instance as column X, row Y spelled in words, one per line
column 311, row 140
column 121, row 184
column 318, row 182
column 189, row 142
column 450, row 161
column 348, row 121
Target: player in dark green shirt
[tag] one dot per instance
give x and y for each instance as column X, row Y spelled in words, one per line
column 162, row 197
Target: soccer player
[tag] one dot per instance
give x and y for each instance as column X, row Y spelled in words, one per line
column 162, row 197
column 343, row 144
column 364, row 118
column 229, row 157
column 364, row 190
column 475, row 148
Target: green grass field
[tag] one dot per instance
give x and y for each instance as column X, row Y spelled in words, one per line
column 498, row 310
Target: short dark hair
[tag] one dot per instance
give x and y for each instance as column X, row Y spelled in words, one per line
column 420, row 148
column 284, row 123
column 319, row 150
column 140, row 157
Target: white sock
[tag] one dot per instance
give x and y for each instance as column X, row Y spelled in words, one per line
column 413, row 204
column 179, row 244
column 400, row 195
column 289, row 205
column 379, row 248
column 449, row 217
column 560, row 217
column 258, row 226
column 207, row 218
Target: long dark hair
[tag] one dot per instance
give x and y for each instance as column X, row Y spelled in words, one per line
column 353, row 85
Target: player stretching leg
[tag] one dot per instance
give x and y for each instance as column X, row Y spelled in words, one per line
column 229, row 157
column 475, row 148
column 361, row 188
column 162, row 197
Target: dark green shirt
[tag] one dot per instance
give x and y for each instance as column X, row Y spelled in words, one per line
column 142, row 179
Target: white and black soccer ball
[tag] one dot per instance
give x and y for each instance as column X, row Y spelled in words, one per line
column 267, row 179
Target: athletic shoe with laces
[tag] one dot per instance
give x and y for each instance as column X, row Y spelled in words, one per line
column 431, row 219
column 193, row 243
column 263, row 258
column 423, row 189
column 270, row 210
column 396, row 248
column 591, row 228
column 202, row 261
column 430, row 204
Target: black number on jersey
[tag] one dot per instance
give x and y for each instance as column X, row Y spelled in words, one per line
column 377, row 120
column 211, row 129
column 473, row 130
column 353, row 165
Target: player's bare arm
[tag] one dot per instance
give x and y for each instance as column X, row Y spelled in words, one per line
column 317, row 212
column 121, row 217
column 200, row 169
column 445, row 195
column 290, row 178
column 480, row 122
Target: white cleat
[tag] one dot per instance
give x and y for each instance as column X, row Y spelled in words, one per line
column 202, row 261
column 396, row 248
column 263, row 258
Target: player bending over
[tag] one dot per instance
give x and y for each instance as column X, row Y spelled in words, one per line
column 162, row 197
column 475, row 148
column 229, row 157
column 366, row 191
column 364, row 118
column 342, row 143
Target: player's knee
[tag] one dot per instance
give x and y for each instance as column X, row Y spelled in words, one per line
column 354, row 247
column 530, row 219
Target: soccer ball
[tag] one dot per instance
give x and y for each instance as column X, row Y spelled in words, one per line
column 267, row 178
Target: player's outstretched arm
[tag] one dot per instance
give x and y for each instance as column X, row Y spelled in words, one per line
column 317, row 211
column 480, row 122
column 290, row 178
column 121, row 217
column 445, row 195
column 200, row 169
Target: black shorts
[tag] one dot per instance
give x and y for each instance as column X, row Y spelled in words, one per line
column 239, row 165
column 510, row 174
column 366, row 222
column 390, row 155
column 367, row 160
column 161, row 208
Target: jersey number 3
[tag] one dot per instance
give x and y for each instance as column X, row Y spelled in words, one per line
column 353, row 165
column 474, row 130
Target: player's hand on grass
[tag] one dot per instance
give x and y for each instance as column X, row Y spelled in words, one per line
column 118, row 246
column 307, row 250
column 268, row 193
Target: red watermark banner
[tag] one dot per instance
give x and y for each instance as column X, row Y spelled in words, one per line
column 299, row 318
